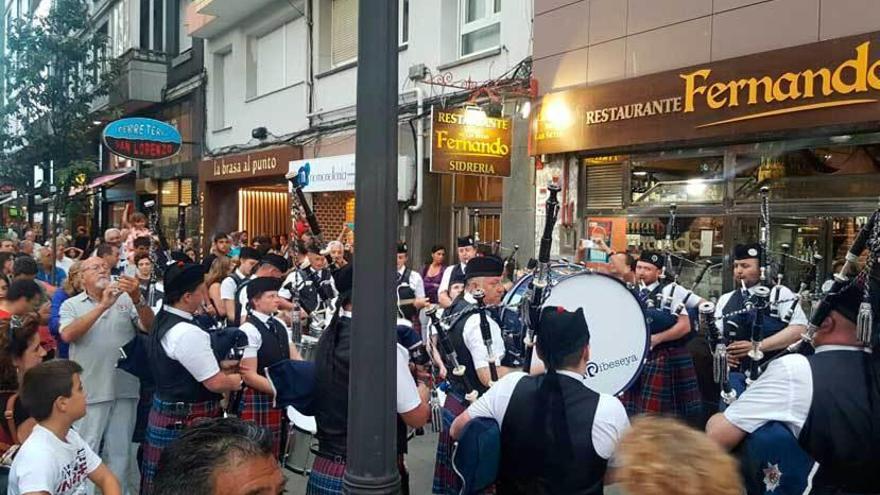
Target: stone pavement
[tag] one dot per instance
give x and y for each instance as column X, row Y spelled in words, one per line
column 421, row 468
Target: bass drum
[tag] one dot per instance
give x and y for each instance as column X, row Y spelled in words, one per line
column 619, row 336
column 510, row 317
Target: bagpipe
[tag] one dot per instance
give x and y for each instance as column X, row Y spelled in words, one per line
column 227, row 343
column 319, row 317
column 541, row 276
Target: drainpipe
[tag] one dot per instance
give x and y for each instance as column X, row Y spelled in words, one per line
column 420, row 158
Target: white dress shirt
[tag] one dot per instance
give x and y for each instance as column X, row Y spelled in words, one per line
column 473, row 338
column 784, row 393
column 447, row 276
column 609, row 422
column 785, row 294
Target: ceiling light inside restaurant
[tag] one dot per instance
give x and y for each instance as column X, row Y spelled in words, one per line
column 695, row 187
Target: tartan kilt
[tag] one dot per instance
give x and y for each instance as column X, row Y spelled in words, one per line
column 446, row 482
column 257, row 407
column 667, row 385
column 326, row 476
column 166, row 423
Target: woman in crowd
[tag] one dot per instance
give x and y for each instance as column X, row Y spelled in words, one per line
column 662, row 456
column 432, row 273
column 72, row 286
column 20, row 350
column 4, row 286
column 6, row 261
column 221, row 268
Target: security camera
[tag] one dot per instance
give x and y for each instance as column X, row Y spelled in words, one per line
column 260, row 133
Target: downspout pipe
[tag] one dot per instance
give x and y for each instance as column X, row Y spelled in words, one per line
column 420, row 157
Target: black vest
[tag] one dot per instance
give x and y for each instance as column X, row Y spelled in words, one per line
column 769, row 326
column 240, row 283
column 523, row 470
column 275, row 346
column 838, row 432
column 332, row 361
column 456, row 337
column 173, row 381
column 309, row 296
column 457, row 272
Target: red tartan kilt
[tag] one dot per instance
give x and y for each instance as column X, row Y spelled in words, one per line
column 257, row 407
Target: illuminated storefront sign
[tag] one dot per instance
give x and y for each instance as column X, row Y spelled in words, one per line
column 466, row 141
column 833, row 84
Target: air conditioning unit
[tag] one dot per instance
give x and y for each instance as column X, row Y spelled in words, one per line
column 406, row 178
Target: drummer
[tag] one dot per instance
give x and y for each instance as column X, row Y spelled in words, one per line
column 543, row 418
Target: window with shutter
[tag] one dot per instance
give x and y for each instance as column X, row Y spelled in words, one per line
column 343, row 31
column 605, row 187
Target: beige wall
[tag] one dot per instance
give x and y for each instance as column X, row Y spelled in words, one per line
column 587, row 42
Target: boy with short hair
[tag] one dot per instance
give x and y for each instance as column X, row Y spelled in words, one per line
column 54, row 460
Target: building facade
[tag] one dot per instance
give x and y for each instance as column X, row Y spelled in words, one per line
column 161, row 76
column 286, row 72
column 701, row 104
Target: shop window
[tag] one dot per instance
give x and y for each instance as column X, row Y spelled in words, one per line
column 223, row 77
column 184, row 40
column 796, row 240
column 480, row 26
column 834, row 170
column 677, row 180
column 174, row 195
column 696, row 244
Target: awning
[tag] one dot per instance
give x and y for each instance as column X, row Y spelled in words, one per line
column 105, row 180
column 102, row 181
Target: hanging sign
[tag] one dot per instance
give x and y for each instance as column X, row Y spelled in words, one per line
column 142, row 139
column 466, row 141
column 326, row 174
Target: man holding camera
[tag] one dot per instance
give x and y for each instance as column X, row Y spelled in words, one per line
column 96, row 323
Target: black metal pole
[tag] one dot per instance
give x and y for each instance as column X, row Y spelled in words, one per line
column 371, row 466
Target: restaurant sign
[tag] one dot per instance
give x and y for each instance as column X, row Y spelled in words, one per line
column 466, row 141
column 263, row 163
column 833, row 84
column 142, row 139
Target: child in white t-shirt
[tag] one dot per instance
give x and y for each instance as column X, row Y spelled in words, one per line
column 54, row 459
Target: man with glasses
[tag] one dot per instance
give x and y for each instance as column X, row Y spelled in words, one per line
column 97, row 322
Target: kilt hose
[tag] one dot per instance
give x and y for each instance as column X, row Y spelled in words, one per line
column 166, row 423
column 257, row 407
column 445, row 479
column 667, row 385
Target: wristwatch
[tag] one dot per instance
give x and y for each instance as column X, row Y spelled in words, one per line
column 141, row 303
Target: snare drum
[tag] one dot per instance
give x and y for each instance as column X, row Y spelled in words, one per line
column 301, row 436
column 619, row 336
column 307, row 347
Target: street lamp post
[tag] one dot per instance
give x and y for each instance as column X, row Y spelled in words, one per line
column 371, row 466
